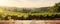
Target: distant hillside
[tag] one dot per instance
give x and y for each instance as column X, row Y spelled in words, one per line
column 15, row 9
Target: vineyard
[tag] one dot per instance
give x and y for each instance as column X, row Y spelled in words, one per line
column 8, row 15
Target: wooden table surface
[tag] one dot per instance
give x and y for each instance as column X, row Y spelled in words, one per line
column 29, row 21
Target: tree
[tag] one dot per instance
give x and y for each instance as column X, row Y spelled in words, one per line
column 57, row 5
column 52, row 9
column 24, row 10
column 55, row 8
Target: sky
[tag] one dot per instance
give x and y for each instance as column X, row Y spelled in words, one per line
column 28, row 3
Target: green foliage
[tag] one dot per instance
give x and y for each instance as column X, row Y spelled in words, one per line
column 57, row 6
column 25, row 16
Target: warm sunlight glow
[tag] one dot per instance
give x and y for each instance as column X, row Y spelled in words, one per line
column 28, row 3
